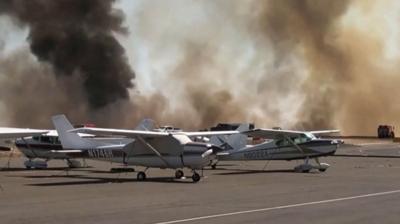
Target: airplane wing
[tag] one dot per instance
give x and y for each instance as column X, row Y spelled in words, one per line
column 207, row 133
column 323, row 132
column 120, row 132
column 272, row 133
column 145, row 134
column 20, row 132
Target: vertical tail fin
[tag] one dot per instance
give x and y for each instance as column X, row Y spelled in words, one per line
column 146, row 125
column 69, row 140
column 235, row 141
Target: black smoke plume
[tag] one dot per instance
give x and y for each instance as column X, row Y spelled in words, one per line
column 76, row 37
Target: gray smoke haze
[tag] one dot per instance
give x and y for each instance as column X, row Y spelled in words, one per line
column 301, row 64
column 297, row 64
column 346, row 87
column 309, row 24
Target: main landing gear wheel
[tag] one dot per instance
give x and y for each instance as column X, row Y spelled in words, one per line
column 179, row 174
column 195, row 177
column 322, row 170
column 141, row 176
column 213, row 166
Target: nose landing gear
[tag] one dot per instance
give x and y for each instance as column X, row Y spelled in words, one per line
column 179, row 174
column 141, row 176
column 195, row 177
column 306, row 167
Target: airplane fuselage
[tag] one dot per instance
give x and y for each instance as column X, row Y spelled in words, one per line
column 274, row 151
column 46, row 148
column 191, row 156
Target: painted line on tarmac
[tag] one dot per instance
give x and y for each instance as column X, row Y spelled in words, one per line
column 281, row 207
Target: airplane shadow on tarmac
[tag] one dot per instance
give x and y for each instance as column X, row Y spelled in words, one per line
column 16, row 169
column 83, row 180
column 241, row 172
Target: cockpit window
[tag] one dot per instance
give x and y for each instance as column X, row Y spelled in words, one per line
column 282, row 142
column 302, row 138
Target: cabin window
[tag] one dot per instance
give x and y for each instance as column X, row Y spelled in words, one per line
column 36, row 138
column 46, row 139
column 57, row 141
column 282, row 142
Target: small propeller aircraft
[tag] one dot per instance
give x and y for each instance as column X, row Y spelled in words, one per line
column 280, row 145
column 41, row 146
column 150, row 149
column 7, row 134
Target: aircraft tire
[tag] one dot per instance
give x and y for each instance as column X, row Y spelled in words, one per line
column 322, row 170
column 305, row 171
column 179, row 174
column 195, row 177
column 141, row 176
column 214, row 166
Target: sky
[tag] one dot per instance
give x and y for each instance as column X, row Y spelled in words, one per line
column 209, row 61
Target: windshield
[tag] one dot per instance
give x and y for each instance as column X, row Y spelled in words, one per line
column 302, row 138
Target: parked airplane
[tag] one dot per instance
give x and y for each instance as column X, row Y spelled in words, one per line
column 156, row 149
column 41, row 146
column 38, row 150
column 6, row 134
column 281, row 145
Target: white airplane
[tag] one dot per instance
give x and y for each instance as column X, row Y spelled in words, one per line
column 41, row 146
column 282, row 145
column 8, row 134
column 150, row 149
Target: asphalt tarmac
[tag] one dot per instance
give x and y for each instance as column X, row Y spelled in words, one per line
column 353, row 190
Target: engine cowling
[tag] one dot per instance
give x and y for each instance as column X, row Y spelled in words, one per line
column 198, row 155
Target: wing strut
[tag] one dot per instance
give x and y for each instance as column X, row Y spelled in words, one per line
column 153, row 150
column 29, row 147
